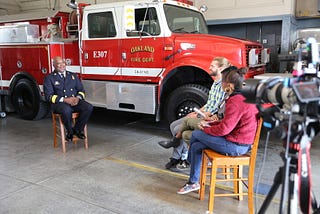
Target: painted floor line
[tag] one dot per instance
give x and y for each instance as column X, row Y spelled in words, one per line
column 174, row 174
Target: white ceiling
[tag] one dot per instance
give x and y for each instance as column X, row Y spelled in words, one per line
column 9, row 7
column 13, row 7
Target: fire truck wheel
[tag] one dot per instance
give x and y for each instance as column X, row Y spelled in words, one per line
column 26, row 100
column 183, row 100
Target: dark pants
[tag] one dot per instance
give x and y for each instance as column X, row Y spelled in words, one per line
column 83, row 108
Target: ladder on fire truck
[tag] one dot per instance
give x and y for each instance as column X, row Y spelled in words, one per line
column 72, row 27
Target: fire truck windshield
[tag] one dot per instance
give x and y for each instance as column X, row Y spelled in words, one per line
column 184, row 20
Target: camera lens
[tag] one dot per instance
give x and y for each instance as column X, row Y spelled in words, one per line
column 249, row 90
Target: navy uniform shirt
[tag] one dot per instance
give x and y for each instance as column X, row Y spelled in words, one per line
column 55, row 87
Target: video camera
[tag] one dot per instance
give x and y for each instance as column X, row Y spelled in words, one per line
column 276, row 97
column 292, row 105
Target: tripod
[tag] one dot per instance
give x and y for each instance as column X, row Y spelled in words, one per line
column 295, row 175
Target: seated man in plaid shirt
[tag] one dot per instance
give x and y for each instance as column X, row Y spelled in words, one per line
column 182, row 128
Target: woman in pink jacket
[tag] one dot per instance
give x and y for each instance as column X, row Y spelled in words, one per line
column 233, row 135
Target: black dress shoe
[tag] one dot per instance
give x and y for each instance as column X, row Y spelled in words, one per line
column 174, row 142
column 172, row 163
column 69, row 137
column 80, row 135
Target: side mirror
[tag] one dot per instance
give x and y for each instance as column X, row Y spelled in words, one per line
column 72, row 4
column 203, row 8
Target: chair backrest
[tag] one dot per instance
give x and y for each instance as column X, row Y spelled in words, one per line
column 254, row 148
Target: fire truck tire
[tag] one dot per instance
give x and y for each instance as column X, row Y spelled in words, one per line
column 183, row 100
column 26, row 101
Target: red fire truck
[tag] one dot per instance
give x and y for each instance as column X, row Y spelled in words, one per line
column 142, row 56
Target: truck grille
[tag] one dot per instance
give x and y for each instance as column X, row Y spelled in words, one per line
column 250, row 47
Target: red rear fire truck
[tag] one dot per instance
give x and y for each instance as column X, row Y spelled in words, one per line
column 145, row 56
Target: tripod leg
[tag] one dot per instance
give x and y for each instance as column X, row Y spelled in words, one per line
column 314, row 204
column 293, row 193
column 276, row 183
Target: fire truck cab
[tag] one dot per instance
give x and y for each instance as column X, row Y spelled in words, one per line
column 143, row 56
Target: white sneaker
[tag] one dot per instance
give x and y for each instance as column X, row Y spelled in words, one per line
column 189, row 188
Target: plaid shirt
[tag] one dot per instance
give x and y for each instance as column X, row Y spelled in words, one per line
column 216, row 96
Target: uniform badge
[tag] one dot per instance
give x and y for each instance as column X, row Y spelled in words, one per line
column 56, row 83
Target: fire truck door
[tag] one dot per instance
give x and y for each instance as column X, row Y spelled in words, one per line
column 101, row 53
column 142, row 48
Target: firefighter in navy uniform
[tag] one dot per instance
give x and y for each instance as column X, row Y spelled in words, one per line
column 65, row 92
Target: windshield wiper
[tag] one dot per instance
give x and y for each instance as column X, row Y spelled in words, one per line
column 181, row 30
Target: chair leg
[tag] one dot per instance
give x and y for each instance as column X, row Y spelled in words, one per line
column 86, row 139
column 226, row 171
column 54, row 124
column 240, row 186
column 75, row 139
column 203, row 176
column 63, row 135
column 212, row 186
column 235, row 182
column 250, row 191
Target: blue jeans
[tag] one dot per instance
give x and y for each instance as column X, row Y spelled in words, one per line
column 200, row 141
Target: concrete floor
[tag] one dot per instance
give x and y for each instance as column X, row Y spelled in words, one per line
column 121, row 172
